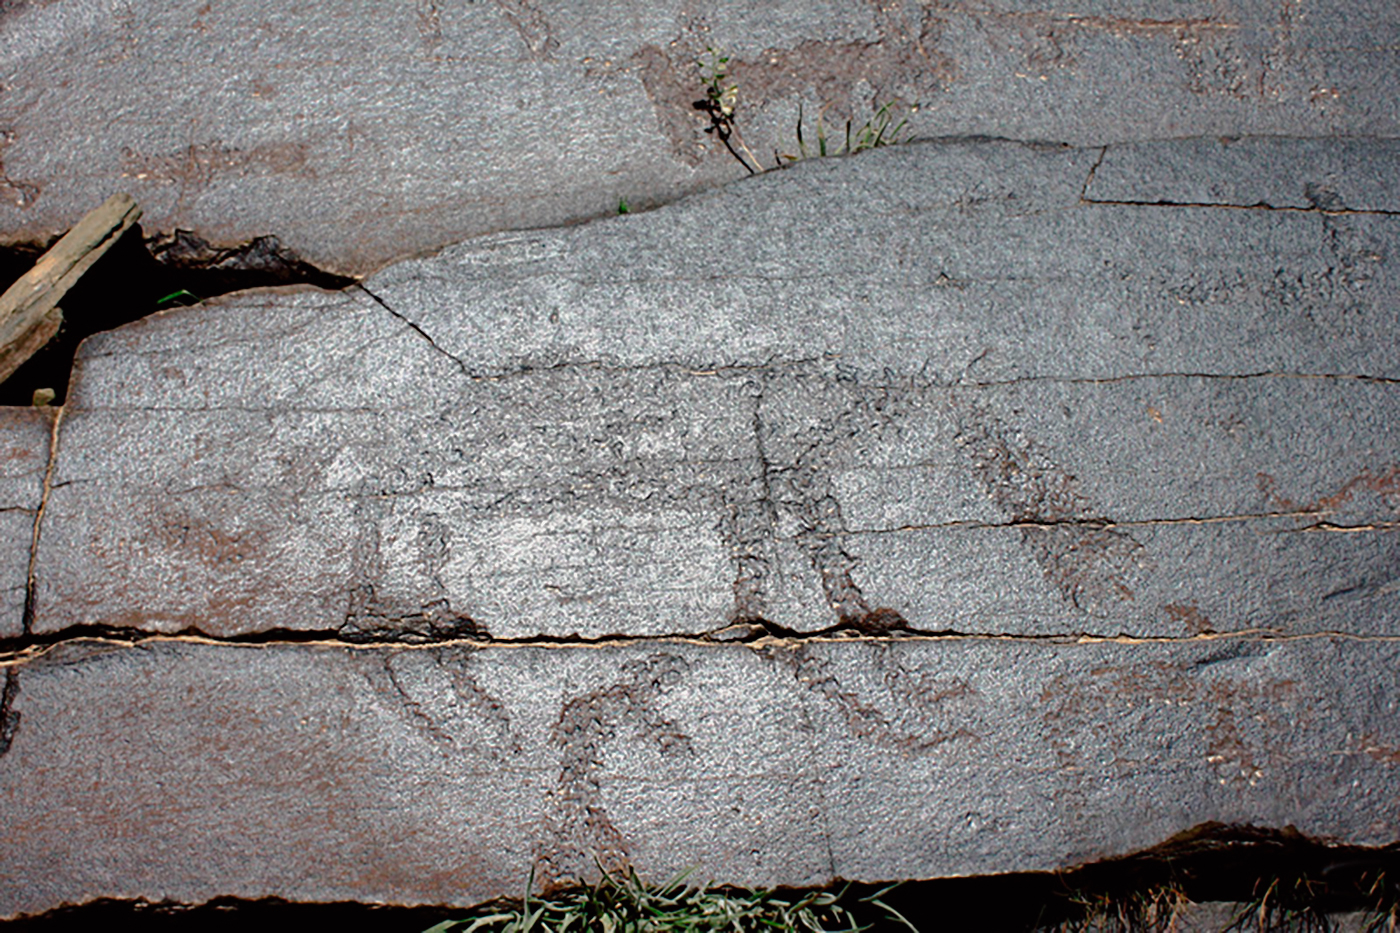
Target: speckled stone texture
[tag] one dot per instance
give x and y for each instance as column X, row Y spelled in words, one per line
column 966, row 507
column 437, row 774
column 1028, row 413
column 362, row 132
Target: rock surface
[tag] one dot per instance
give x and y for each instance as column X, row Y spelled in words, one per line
column 25, row 435
column 436, row 774
column 955, row 508
column 360, row 132
column 844, row 394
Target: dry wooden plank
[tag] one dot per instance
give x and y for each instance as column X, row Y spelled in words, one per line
column 29, row 312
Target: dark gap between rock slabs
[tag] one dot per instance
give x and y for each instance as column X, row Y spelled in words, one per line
column 130, row 281
column 1290, row 882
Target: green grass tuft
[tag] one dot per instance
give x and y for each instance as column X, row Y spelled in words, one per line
column 621, row 902
column 873, row 134
column 176, row 299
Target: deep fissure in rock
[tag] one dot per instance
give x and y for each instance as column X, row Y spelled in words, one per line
column 138, row 276
column 756, row 633
column 417, row 632
column 9, row 716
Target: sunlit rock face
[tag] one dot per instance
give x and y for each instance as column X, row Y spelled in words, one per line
column 361, row 133
column 957, row 508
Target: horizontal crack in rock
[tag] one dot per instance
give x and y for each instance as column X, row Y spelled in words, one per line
column 136, row 278
column 1107, row 524
column 17, row 652
column 218, row 270
column 1260, row 206
column 1134, row 377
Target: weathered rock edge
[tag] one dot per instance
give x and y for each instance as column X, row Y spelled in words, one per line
column 1209, row 874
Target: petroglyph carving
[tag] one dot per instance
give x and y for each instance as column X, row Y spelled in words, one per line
column 1089, row 718
column 1091, row 563
column 581, row 829
column 528, row 20
column 9, row 716
column 800, row 480
column 1383, row 484
column 439, row 695
column 906, row 710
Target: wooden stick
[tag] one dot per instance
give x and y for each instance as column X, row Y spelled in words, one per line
column 29, row 312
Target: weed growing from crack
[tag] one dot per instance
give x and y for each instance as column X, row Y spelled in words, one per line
column 720, row 93
column 873, row 134
column 177, row 299
column 722, row 97
column 621, row 901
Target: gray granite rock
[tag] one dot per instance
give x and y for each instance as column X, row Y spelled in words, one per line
column 844, row 394
column 938, row 262
column 1341, row 176
column 361, row 133
column 904, row 516
column 177, row 771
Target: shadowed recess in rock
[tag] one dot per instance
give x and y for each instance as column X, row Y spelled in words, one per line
column 139, row 277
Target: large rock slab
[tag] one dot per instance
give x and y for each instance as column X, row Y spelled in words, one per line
column 847, row 394
column 362, row 133
column 925, row 513
column 577, row 503
column 951, row 262
column 438, row 775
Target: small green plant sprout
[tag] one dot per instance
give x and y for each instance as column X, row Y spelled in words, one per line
column 873, row 134
column 174, row 299
column 721, row 97
column 620, row 901
column 722, row 93
column 623, row 207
